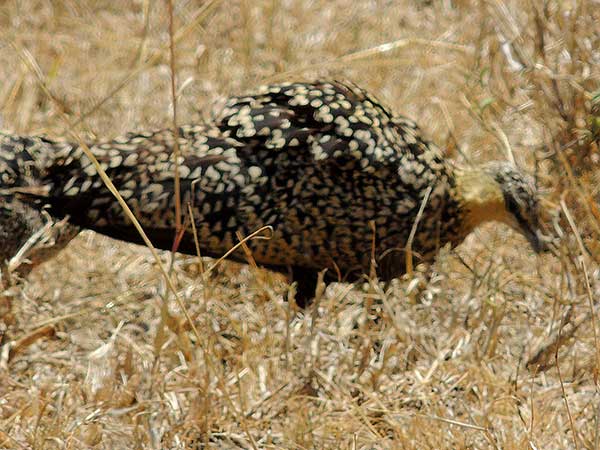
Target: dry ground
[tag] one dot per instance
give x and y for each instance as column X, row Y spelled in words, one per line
column 437, row 362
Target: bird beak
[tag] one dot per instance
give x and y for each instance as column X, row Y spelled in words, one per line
column 536, row 239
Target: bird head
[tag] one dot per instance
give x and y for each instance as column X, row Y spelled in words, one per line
column 499, row 191
column 520, row 201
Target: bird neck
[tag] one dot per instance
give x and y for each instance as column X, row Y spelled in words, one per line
column 480, row 198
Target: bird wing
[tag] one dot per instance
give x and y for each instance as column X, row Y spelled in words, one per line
column 329, row 122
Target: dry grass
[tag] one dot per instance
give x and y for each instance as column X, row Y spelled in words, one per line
column 496, row 349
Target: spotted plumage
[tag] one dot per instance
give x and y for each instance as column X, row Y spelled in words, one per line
column 334, row 172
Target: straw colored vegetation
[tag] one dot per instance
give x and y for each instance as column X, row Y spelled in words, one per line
column 491, row 347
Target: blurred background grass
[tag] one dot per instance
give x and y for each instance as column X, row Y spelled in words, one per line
column 465, row 357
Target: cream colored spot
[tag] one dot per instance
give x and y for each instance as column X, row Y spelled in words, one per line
column 254, row 172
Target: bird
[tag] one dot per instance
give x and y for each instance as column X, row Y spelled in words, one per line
column 345, row 184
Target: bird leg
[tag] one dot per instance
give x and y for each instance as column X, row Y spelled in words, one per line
column 306, row 284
